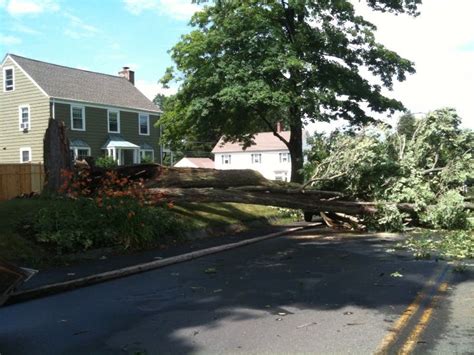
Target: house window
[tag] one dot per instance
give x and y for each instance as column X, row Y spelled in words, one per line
column 24, row 116
column 144, row 124
column 78, row 119
column 281, row 176
column 226, row 159
column 113, row 121
column 147, row 155
column 25, row 155
column 8, row 79
column 82, row 153
column 256, row 158
column 284, row 157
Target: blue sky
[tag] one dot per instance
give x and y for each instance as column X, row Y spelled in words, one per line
column 96, row 35
column 104, row 35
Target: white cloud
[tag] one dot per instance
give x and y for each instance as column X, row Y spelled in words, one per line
column 439, row 41
column 8, row 40
column 179, row 9
column 77, row 28
column 150, row 90
column 29, row 7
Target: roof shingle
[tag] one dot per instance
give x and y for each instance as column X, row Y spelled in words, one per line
column 264, row 141
column 81, row 85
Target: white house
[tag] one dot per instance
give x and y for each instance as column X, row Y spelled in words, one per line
column 195, row 163
column 269, row 155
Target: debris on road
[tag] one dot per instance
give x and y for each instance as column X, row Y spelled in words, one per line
column 11, row 277
column 210, row 270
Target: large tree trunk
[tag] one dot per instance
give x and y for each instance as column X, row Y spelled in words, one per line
column 287, row 200
column 291, row 199
column 56, row 155
column 242, row 186
column 296, row 147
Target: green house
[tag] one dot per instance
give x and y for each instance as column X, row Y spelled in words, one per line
column 105, row 115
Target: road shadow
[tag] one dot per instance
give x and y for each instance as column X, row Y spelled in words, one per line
column 218, row 298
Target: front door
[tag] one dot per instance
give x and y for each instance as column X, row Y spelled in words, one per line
column 127, row 157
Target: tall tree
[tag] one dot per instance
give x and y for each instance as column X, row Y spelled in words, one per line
column 249, row 64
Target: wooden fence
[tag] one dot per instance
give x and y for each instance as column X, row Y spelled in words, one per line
column 17, row 179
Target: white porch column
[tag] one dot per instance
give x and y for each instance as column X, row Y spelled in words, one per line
column 136, row 156
column 118, row 156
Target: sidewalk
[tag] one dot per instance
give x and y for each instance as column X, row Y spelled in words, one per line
column 109, row 263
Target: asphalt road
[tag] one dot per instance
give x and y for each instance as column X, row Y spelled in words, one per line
column 307, row 293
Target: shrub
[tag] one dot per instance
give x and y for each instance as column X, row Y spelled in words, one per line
column 82, row 224
column 106, row 162
column 115, row 211
column 70, row 225
column 146, row 160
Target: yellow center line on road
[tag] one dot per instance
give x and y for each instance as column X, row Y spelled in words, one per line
column 401, row 323
column 414, row 336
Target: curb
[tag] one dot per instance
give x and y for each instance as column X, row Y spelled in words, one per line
column 135, row 269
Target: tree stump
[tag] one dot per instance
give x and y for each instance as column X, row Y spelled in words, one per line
column 56, row 155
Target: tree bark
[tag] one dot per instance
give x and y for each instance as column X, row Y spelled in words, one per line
column 287, row 200
column 241, row 186
column 56, row 155
column 296, row 147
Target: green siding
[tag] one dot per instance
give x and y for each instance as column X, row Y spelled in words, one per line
column 96, row 133
column 11, row 138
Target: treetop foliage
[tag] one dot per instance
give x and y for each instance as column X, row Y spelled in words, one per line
column 249, row 64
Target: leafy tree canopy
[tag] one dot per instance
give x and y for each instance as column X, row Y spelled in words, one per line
column 249, row 64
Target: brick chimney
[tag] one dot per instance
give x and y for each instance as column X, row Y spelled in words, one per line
column 128, row 74
column 279, row 127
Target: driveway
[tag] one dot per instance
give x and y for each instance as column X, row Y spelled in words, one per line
column 311, row 292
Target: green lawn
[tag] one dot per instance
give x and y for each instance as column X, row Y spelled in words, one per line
column 16, row 216
column 204, row 215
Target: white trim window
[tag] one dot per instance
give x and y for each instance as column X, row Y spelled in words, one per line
column 78, row 118
column 80, row 153
column 143, row 124
column 226, row 159
column 8, row 79
column 113, row 121
column 147, row 155
column 285, row 157
column 256, row 158
column 25, row 155
column 24, row 117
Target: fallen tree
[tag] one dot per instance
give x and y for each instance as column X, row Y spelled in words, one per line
column 186, row 185
column 342, row 207
column 427, row 162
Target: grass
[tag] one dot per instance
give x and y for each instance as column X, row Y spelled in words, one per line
column 203, row 215
column 14, row 246
column 16, row 216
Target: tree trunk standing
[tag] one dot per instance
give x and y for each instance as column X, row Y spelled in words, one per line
column 56, row 155
column 296, row 147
